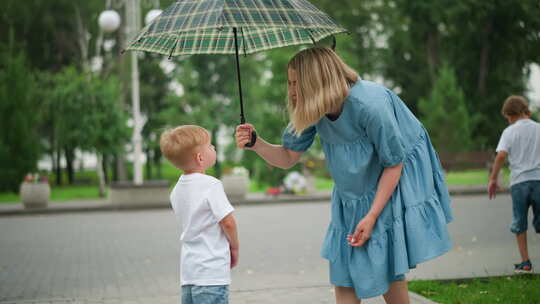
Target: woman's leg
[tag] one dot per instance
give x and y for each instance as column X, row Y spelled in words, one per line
column 398, row 293
column 346, row 295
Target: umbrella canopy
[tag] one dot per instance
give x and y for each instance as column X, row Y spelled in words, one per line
column 191, row 27
column 207, row 27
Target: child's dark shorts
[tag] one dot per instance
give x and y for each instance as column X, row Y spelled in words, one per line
column 524, row 195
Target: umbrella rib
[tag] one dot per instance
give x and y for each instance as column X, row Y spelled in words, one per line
column 173, row 47
column 243, row 41
column 311, row 36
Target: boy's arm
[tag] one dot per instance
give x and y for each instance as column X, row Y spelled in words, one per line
column 228, row 224
column 497, row 165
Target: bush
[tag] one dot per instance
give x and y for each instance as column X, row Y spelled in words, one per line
column 445, row 114
column 19, row 110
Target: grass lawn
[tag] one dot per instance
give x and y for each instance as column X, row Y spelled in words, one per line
column 90, row 190
column 518, row 289
column 60, row 194
column 473, row 177
column 66, row 193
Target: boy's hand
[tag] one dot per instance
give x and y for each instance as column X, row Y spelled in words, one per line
column 493, row 187
column 243, row 135
column 234, row 257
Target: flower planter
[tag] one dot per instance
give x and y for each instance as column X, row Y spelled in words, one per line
column 236, row 186
column 35, row 195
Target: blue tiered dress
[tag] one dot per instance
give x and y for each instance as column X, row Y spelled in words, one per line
column 376, row 130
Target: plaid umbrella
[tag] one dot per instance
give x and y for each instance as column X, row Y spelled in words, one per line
column 226, row 26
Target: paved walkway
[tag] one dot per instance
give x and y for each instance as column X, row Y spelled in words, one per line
column 130, row 256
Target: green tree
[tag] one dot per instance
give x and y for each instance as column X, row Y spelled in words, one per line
column 105, row 121
column 359, row 47
column 52, row 40
column 83, row 113
column 490, row 45
column 210, row 93
column 154, row 91
column 20, row 144
column 445, row 114
column 269, row 111
column 65, row 94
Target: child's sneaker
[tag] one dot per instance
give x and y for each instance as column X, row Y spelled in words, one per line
column 523, row 267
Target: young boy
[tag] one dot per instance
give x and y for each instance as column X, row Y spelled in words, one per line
column 209, row 237
column 521, row 143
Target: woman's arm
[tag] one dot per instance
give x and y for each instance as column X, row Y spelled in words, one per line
column 387, row 184
column 275, row 155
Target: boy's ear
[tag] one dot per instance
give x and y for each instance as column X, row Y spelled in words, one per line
column 198, row 157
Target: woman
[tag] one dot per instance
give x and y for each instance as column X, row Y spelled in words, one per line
column 390, row 204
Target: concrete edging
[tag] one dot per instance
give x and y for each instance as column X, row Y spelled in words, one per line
column 254, row 199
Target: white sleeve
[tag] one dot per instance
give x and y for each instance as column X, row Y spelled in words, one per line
column 504, row 142
column 218, row 201
column 174, row 200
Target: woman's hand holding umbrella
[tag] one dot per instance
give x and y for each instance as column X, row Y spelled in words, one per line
column 243, row 136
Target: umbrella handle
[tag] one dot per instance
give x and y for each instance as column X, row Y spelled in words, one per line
column 253, row 139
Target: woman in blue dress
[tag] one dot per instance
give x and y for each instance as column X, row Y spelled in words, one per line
column 390, row 204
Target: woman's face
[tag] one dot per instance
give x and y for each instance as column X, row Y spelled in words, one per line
column 292, row 86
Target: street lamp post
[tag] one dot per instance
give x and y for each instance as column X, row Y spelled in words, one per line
column 109, row 21
column 132, row 22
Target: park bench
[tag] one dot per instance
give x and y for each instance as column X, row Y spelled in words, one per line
column 452, row 161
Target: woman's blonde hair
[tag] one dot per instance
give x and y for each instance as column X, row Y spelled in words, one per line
column 515, row 106
column 322, row 86
column 178, row 144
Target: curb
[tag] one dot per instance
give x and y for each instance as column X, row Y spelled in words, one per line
column 252, row 200
column 104, row 205
column 416, row 298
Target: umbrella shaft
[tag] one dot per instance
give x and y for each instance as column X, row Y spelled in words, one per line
column 242, row 118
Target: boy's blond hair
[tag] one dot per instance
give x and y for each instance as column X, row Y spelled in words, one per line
column 323, row 83
column 179, row 144
column 515, row 106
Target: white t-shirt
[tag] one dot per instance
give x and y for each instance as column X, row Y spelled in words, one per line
column 521, row 141
column 200, row 203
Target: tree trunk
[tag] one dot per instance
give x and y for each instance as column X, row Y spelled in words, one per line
column 121, row 167
column 484, row 59
column 70, row 155
column 114, row 167
column 106, row 169
column 432, row 50
column 54, row 165
column 82, row 39
column 157, row 162
column 58, row 167
column 148, row 153
column 101, row 175
column 217, row 166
